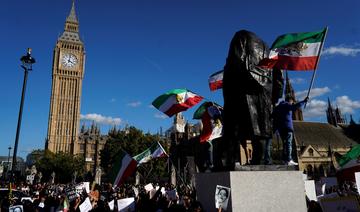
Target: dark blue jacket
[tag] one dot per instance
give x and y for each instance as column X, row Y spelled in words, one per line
column 282, row 116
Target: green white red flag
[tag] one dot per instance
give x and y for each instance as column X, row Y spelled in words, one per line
column 295, row 51
column 123, row 167
column 348, row 164
column 155, row 151
column 216, row 80
column 210, row 115
column 176, row 100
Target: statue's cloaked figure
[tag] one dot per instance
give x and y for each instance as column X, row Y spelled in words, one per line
column 249, row 93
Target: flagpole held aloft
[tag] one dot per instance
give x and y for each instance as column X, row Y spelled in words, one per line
column 316, row 65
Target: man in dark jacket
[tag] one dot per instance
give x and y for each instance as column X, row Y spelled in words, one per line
column 283, row 124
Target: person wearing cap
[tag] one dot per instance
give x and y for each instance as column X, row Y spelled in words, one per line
column 283, row 124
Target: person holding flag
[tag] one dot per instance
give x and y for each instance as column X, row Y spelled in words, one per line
column 210, row 114
column 283, row 124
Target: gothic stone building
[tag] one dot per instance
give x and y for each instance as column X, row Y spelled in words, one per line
column 315, row 145
column 91, row 142
column 317, row 142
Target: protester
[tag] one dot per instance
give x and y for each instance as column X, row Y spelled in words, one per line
column 283, row 124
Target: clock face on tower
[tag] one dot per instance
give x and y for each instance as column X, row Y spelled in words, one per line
column 69, row 60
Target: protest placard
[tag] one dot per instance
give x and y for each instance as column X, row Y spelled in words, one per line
column 86, row 205
column 136, row 191
column 87, row 186
column 71, row 193
column 310, row 189
column 16, row 208
column 126, row 205
column 222, row 195
column 82, row 186
column 163, row 192
column 148, row 187
column 357, row 179
column 111, row 205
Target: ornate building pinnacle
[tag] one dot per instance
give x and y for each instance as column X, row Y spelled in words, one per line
column 72, row 16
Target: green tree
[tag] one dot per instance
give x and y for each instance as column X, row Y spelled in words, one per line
column 133, row 141
column 63, row 164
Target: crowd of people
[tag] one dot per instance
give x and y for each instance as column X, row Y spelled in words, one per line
column 46, row 197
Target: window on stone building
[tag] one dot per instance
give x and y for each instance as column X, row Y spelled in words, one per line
column 82, row 147
column 93, row 146
column 311, row 152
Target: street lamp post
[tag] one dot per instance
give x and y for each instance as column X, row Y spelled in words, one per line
column 27, row 62
column 8, row 163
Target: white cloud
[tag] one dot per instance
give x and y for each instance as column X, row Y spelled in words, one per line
column 315, row 108
column 160, row 116
column 134, row 104
column 346, row 105
column 152, row 106
column 100, row 119
column 112, row 100
column 341, row 50
column 297, row 80
column 315, row 92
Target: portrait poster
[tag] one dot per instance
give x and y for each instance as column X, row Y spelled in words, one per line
column 16, row 208
column 222, row 196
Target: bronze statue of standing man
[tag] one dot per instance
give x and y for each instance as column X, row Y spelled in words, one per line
column 249, row 95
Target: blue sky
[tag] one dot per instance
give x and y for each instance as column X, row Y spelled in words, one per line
column 137, row 50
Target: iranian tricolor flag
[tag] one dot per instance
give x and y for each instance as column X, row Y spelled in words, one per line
column 123, row 167
column 175, row 101
column 348, row 164
column 295, row 51
column 210, row 115
column 155, row 151
column 216, row 80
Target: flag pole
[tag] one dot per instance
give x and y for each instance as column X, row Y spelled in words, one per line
column 317, row 63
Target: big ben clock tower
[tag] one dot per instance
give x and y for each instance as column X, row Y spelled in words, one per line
column 67, row 75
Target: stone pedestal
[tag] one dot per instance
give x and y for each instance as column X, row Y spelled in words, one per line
column 256, row 191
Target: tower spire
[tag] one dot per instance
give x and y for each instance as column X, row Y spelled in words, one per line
column 330, row 114
column 71, row 29
column 72, row 16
